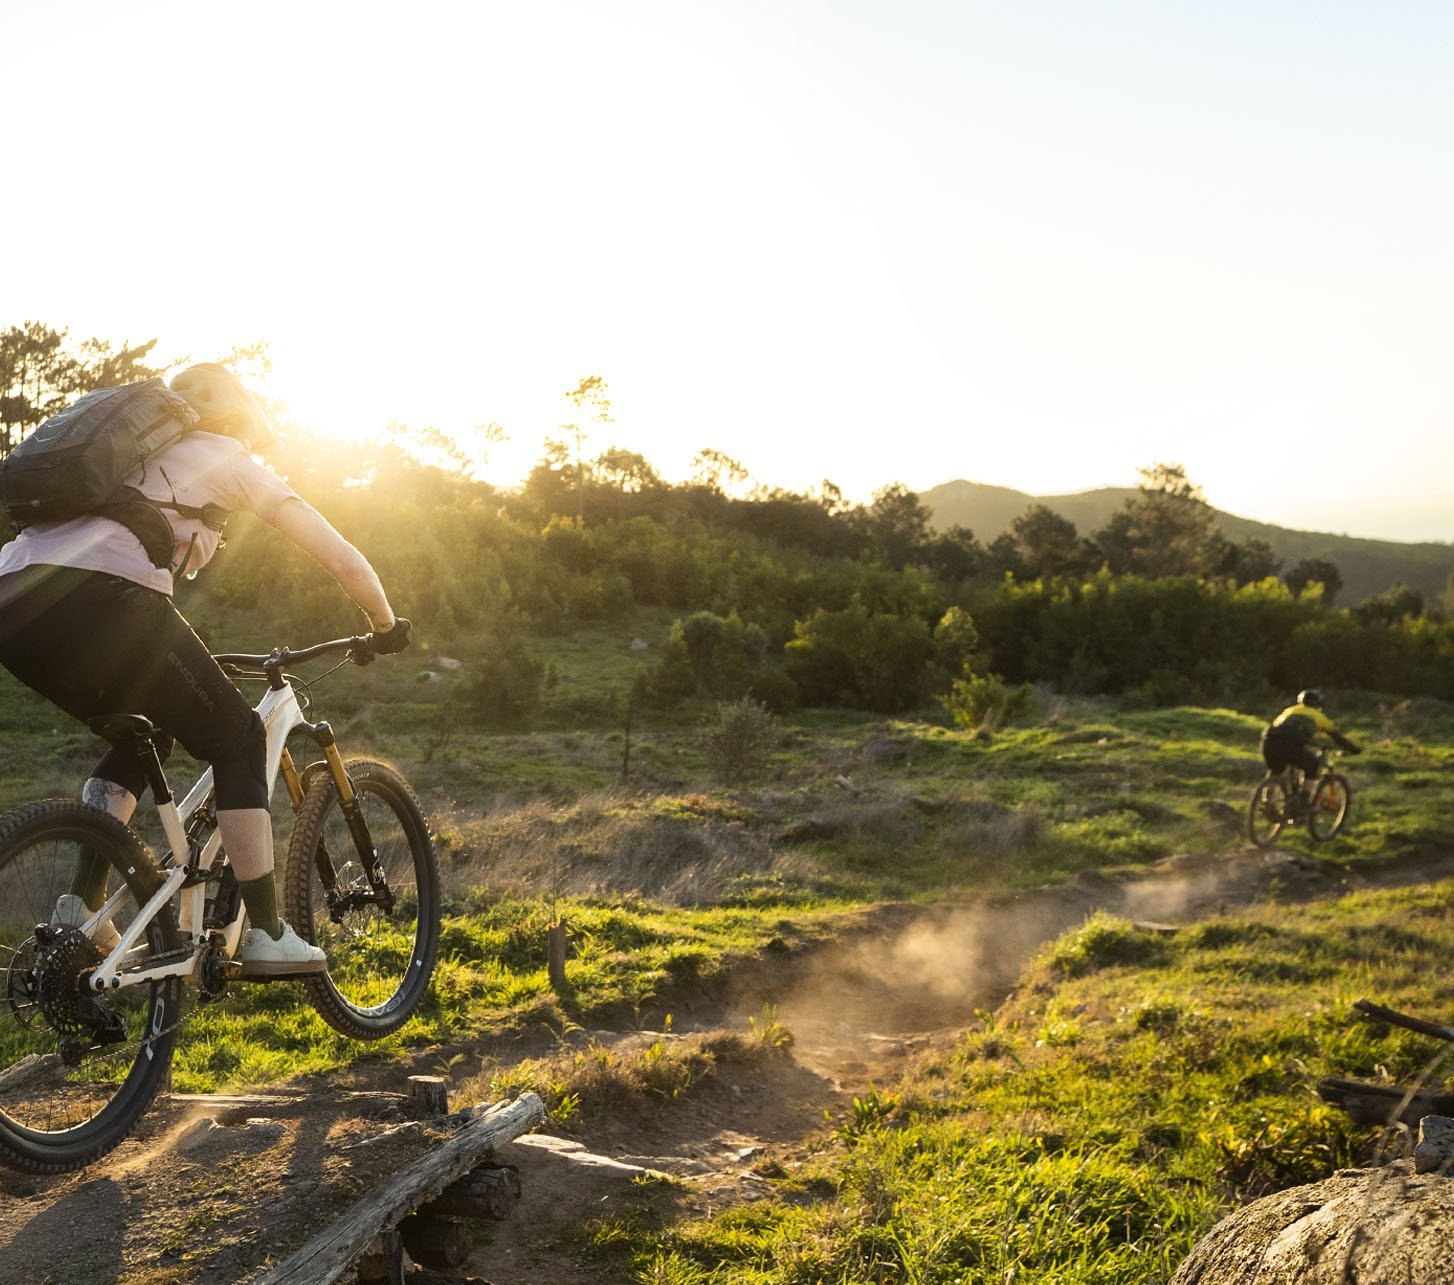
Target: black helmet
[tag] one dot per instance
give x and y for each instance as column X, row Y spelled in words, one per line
column 1312, row 696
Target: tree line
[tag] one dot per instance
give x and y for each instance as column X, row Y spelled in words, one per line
column 788, row 598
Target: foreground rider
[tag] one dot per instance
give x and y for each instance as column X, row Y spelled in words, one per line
column 87, row 620
column 1290, row 739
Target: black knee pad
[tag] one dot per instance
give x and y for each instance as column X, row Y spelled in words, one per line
column 240, row 766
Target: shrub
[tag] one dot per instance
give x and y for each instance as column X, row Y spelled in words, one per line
column 505, row 682
column 737, row 738
column 980, row 702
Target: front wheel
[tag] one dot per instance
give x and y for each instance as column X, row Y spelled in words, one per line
column 380, row 959
column 1268, row 812
column 77, row 1070
column 1329, row 808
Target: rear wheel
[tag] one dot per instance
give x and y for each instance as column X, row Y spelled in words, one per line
column 1329, row 808
column 1268, row 812
column 77, row 1070
column 380, row 959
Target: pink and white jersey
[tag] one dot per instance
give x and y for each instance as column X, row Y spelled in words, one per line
column 196, row 470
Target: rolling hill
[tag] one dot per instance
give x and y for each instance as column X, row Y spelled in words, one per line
column 1367, row 566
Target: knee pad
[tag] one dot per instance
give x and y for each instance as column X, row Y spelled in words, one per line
column 240, row 767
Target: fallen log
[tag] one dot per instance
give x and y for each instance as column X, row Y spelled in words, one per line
column 1385, row 1103
column 329, row 1255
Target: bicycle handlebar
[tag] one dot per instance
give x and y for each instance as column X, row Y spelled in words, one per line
column 281, row 657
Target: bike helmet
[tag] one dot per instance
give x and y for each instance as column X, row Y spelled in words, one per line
column 222, row 404
column 1311, row 697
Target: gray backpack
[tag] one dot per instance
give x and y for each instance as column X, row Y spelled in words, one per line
column 75, row 464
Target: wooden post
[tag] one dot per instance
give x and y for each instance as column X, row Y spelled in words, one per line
column 429, row 1094
column 435, row 1242
column 555, row 954
column 626, row 743
column 488, row 1191
column 384, row 1264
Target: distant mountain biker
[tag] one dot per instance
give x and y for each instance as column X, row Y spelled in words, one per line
column 87, row 620
column 1289, row 740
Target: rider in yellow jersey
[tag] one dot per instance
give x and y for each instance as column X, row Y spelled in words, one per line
column 1289, row 738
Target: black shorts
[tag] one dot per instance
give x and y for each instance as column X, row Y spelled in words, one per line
column 1282, row 749
column 96, row 644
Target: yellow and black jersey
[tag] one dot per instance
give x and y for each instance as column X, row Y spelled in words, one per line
column 1305, row 722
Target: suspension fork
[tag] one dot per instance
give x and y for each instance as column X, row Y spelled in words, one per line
column 358, row 828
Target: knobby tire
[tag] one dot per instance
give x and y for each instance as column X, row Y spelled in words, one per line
column 54, row 1117
column 379, row 966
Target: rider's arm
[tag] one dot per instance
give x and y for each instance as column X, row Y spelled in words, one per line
column 1330, row 730
column 311, row 532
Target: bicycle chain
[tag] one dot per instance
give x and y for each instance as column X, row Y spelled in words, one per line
column 133, row 1050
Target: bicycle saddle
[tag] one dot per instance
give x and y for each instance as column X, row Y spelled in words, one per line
column 122, row 727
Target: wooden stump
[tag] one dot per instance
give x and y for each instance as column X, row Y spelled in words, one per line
column 555, row 954
column 429, row 1094
column 435, row 1242
column 385, row 1264
column 489, row 1191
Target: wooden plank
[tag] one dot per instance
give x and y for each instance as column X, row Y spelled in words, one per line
column 329, row 1255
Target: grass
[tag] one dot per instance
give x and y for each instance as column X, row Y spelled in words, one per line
column 1137, row 1086
column 491, row 979
column 1138, row 1083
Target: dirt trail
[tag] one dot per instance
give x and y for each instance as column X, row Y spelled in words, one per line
column 898, row 981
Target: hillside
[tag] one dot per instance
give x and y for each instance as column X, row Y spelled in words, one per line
column 1368, row 566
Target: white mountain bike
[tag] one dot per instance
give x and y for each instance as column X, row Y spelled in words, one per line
column 87, row 1032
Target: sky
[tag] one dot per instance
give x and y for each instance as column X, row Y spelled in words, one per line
column 1039, row 244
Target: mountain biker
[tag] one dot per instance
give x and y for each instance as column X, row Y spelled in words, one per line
column 87, row 620
column 1288, row 739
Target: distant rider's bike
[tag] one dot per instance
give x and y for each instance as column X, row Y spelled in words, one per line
column 90, row 1012
column 1282, row 799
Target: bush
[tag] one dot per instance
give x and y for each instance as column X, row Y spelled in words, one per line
column 505, row 682
column 737, row 738
column 863, row 659
column 981, row 702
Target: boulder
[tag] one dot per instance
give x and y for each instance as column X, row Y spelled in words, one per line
column 1359, row 1227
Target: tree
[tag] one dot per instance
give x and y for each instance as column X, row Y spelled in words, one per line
column 1246, row 562
column 1315, row 571
column 717, row 472
column 1166, row 529
column 1392, row 605
column 1048, row 544
column 589, row 396
column 41, row 372
column 955, row 554
column 896, row 524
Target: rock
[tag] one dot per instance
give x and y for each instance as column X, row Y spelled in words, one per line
column 448, row 662
column 1435, row 1150
column 205, row 1131
column 1224, row 814
column 428, row 676
column 639, row 644
column 1360, row 1227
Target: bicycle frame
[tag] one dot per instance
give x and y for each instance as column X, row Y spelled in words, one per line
column 184, row 865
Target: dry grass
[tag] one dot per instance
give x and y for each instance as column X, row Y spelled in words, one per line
column 673, row 849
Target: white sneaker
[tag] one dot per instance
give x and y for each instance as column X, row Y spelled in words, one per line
column 72, row 912
column 289, row 956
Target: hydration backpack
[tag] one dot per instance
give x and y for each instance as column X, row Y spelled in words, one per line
column 75, row 463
